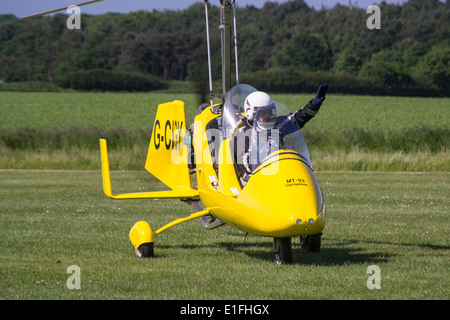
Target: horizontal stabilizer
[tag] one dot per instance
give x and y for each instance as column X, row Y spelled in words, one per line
column 179, row 192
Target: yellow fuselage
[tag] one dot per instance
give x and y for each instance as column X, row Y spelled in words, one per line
column 281, row 199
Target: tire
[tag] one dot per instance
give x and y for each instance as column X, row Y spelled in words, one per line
column 145, row 250
column 311, row 243
column 282, row 250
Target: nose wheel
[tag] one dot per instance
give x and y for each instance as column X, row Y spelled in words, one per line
column 282, row 250
column 311, row 243
column 282, row 247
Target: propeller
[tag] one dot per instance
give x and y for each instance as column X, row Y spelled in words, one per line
column 60, row 9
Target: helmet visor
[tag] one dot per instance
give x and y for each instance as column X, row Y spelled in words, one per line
column 266, row 117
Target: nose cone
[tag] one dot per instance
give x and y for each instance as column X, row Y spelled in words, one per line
column 283, row 199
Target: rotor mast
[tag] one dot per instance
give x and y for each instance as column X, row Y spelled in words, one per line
column 225, row 35
column 227, row 16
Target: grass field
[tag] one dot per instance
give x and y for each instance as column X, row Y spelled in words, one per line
column 382, row 162
column 137, row 110
column 60, row 130
column 54, row 219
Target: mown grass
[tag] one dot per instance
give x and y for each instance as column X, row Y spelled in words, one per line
column 45, row 130
column 53, row 219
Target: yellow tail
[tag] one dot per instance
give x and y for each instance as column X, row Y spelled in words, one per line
column 166, row 159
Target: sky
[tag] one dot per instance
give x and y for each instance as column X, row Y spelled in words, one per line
column 21, row 8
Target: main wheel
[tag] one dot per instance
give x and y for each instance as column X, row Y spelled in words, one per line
column 282, row 250
column 145, row 250
column 311, row 243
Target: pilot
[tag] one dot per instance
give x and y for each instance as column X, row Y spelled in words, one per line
column 260, row 109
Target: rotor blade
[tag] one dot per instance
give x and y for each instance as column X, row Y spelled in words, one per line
column 60, row 9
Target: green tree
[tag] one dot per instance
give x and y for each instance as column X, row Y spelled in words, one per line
column 385, row 67
column 414, row 53
column 305, row 53
column 75, row 60
column 436, row 65
column 349, row 62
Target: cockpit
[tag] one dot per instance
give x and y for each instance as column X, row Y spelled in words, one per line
column 273, row 130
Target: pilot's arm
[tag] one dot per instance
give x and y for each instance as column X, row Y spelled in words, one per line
column 312, row 107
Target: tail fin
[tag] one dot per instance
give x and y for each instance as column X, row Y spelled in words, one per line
column 166, row 159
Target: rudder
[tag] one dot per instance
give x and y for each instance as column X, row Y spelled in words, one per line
column 167, row 157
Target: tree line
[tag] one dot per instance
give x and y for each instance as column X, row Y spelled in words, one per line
column 286, row 47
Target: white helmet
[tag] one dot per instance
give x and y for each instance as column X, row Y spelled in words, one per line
column 254, row 101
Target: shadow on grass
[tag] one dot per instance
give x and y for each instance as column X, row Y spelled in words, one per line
column 333, row 252
column 339, row 252
column 328, row 256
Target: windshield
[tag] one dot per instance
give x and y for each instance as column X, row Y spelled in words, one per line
column 233, row 110
column 274, row 129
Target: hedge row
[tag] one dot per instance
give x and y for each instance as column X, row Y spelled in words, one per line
column 290, row 81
